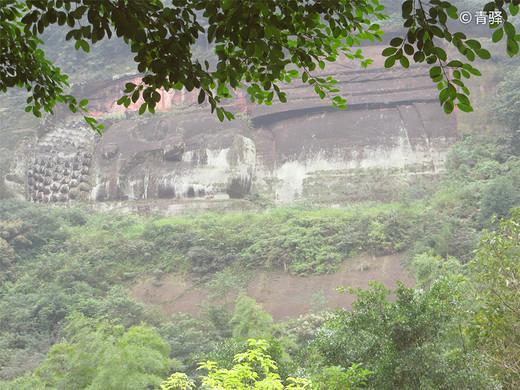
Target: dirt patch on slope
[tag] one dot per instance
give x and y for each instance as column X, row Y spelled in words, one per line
column 282, row 295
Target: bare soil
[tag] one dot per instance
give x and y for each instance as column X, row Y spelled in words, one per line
column 281, row 294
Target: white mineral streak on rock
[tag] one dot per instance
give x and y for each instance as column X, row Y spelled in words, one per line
column 289, row 177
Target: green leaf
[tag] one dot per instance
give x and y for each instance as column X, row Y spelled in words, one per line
column 389, row 51
column 211, row 33
column 463, row 99
column 36, row 112
column 202, row 96
column 443, row 95
column 509, row 29
column 435, row 71
column 70, row 34
column 512, row 47
column 85, row 46
column 454, row 64
column 497, row 35
column 452, row 12
column 441, row 53
column 142, row 109
column 406, row 8
column 483, row 53
column 464, row 107
column 396, row 41
column 448, row 107
column 220, row 114
column 452, row 91
column 418, row 56
column 404, row 62
column 129, row 87
column 473, row 44
column 408, row 49
column 390, row 61
column 78, row 12
column 475, row 72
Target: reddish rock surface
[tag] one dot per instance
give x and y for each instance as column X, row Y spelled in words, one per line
column 281, row 295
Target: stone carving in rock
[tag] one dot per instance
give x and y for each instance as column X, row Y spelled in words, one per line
column 239, row 187
column 174, row 152
column 73, row 193
column 84, row 187
column 165, row 191
column 49, row 172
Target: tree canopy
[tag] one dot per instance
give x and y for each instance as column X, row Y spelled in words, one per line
column 259, row 45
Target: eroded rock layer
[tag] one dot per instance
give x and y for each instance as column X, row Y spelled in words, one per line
column 288, row 151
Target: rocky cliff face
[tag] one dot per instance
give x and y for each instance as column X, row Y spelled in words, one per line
column 289, row 151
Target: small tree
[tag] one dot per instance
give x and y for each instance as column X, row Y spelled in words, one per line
column 249, row 319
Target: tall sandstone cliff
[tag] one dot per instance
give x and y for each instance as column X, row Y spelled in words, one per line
column 304, row 149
